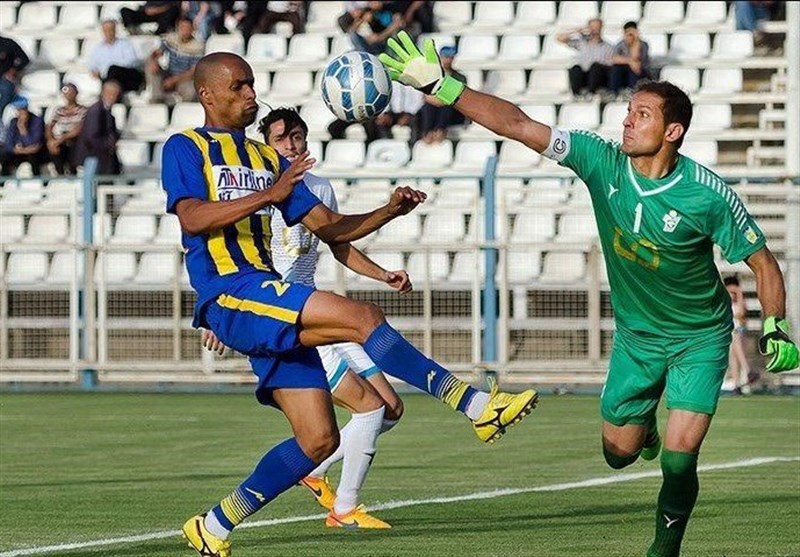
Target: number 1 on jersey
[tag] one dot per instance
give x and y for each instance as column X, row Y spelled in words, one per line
column 637, row 218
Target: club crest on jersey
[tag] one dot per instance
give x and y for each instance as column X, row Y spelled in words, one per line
column 750, row 235
column 671, row 220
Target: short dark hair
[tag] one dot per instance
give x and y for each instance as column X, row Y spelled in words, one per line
column 630, row 25
column 676, row 106
column 286, row 114
column 731, row 280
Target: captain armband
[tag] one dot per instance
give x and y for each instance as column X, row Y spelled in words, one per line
column 559, row 146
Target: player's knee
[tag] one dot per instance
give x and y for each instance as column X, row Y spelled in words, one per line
column 394, row 409
column 675, row 464
column 320, row 445
column 617, row 461
column 370, row 318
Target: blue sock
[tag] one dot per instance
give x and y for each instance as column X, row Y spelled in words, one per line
column 278, row 470
column 396, row 356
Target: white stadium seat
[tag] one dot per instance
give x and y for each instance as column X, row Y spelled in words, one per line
column 47, row 229
column 470, row 156
column 690, row 46
column 340, row 43
column 40, row 85
column 133, row 154
column 657, row 44
column 662, row 14
column 539, row 226
column 343, row 154
column 585, row 116
column 110, row 10
column 721, row 81
column 185, row 115
column 26, row 268
column 575, row 13
column 576, row 227
column 169, row 231
column 515, row 157
column 439, row 39
column 518, row 48
column 548, row 83
column 59, row 52
column 464, row 267
column 435, row 266
column 687, row 79
column 457, row 193
column 387, row 153
column 78, row 18
column 535, row 15
column 544, row 113
column 436, row 156
column 225, row 43
column 613, row 115
column 326, row 269
column 563, row 267
column 158, row 148
column 8, row 16
column 497, row 15
column 308, row 48
column 733, row 45
column 452, row 15
column 711, row 117
column 134, row 229
column 12, row 229
column 35, row 18
column 322, row 17
column 157, row 268
column 505, row 83
column 118, row 268
column 524, row 264
column 444, row 227
column 266, row 48
column 615, row 13
column 147, row 121
column 399, row 231
column 472, row 48
column 61, row 193
column 63, row 266
column 317, row 116
column 555, row 51
column 704, row 152
column 705, row 13
column 291, row 86
column 101, row 228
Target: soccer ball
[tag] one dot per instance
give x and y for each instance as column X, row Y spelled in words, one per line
column 356, row 86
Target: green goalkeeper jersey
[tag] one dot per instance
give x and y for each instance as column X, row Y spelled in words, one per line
column 658, row 235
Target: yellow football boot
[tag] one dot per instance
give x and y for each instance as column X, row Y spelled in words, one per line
column 357, row 518
column 502, row 411
column 203, row 541
column 321, row 489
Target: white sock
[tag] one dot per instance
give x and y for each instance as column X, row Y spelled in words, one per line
column 387, row 425
column 359, row 449
column 477, row 405
column 213, row 525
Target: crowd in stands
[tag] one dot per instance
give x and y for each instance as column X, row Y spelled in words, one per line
column 602, row 71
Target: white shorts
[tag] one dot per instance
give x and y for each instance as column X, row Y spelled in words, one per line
column 338, row 358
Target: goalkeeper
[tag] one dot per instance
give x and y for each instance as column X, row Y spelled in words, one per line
column 659, row 214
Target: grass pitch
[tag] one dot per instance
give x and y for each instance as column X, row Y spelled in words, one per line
column 78, row 468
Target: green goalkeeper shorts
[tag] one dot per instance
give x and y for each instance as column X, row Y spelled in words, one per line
column 642, row 366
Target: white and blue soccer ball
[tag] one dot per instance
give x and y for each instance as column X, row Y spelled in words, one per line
column 356, row 87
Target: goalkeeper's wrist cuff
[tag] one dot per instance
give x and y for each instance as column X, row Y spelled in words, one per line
column 449, row 90
column 774, row 323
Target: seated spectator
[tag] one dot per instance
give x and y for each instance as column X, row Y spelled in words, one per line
column 24, row 140
column 183, row 52
column 233, row 13
column 370, row 27
column 99, row 134
column 417, row 15
column 590, row 74
column 261, row 17
column 115, row 58
column 204, row 16
column 12, row 61
column 165, row 13
column 631, row 60
column 403, row 108
column 434, row 120
column 63, row 129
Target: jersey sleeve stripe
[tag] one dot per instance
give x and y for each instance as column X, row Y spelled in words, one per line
column 216, row 241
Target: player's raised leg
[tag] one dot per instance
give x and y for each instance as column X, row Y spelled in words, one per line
column 327, row 318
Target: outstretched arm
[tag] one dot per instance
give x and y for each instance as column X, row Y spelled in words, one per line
column 358, row 262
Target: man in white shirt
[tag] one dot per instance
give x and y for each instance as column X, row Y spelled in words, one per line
column 115, row 58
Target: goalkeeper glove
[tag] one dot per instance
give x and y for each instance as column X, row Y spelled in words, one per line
column 776, row 343
column 421, row 70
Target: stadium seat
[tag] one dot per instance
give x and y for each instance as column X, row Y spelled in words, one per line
column 711, row 117
column 8, row 16
column 78, row 18
column 436, row 156
column 575, row 13
column 306, row 47
column 147, row 122
column 12, row 229
column 322, row 17
column 539, row 226
column 721, row 81
column 115, row 268
column 515, row 157
column 150, row 202
column 18, row 197
column 452, row 15
column 317, row 116
column 690, row 46
column 326, row 269
column 585, row 116
column 457, row 193
column 662, row 14
column 185, row 115
column 340, row 44
column 134, row 229
column 157, row 268
column 464, row 267
column 58, row 52
column 262, row 84
column 110, row 10
column 471, row 156
column 61, row 193
column 524, row 265
column 704, row 152
column 733, row 45
column 580, row 198
column 439, row 39
column 266, row 49
column 705, row 13
column 615, row 13
column 687, row 79
column 169, row 231
column 225, row 43
column 549, row 84
column 158, row 148
column 144, row 45
column 40, row 85
column 444, row 227
column 422, row 266
column 474, row 79
column 47, row 229
column 35, row 18
column 562, row 267
column 546, row 193
column 535, row 16
column 26, row 268
column 133, row 154
column 495, row 15
column 576, row 227
column 544, row 113
column 290, row 87
column 555, row 51
column 477, row 48
column 387, row 153
column 63, row 266
column 518, row 48
column 505, row 83
column 101, row 228
column 613, row 115
column 402, row 231
column 343, row 154
column 657, row 43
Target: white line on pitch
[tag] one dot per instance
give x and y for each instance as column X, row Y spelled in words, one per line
column 591, row 482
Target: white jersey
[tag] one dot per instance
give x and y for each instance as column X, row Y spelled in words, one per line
column 294, row 248
column 295, row 256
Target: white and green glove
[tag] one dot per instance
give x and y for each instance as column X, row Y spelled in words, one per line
column 776, row 343
column 421, row 70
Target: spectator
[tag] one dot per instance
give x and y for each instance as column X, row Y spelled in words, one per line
column 405, row 104
column 370, row 27
column 434, row 120
column 631, row 60
column 261, row 17
column 204, row 16
column 183, row 52
column 63, row 130
column 165, row 13
column 24, row 140
column 738, row 374
column 750, row 13
column 233, row 13
column 590, row 74
column 99, row 134
column 12, row 61
column 116, row 59
column 417, row 14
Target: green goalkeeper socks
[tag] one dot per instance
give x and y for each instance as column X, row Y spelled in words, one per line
column 675, row 502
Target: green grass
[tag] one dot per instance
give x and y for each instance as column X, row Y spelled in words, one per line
column 81, row 467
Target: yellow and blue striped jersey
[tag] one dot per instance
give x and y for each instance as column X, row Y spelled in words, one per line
column 223, row 165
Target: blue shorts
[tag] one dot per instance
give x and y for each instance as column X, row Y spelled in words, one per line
column 258, row 318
